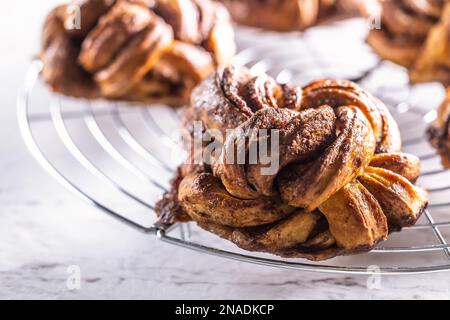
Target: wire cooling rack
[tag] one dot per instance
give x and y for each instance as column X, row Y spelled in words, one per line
column 119, row 157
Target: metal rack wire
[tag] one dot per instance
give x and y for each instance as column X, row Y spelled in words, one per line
column 119, row 157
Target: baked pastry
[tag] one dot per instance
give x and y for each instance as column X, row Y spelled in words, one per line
column 415, row 34
column 405, row 25
column 433, row 64
column 290, row 15
column 439, row 131
column 340, row 185
column 139, row 50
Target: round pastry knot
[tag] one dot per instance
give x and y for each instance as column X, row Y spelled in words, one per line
column 339, row 184
column 135, row 49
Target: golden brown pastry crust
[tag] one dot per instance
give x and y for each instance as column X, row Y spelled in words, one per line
column 290, row 15
column 341, row 186
column 439, row 131
column 139, row 50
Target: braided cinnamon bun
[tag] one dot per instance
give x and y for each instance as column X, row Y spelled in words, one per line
column 290, row 15
column 140, row 50
column 341, row 183
column 439, row 131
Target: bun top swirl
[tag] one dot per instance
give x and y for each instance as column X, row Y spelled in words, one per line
column 233, row 95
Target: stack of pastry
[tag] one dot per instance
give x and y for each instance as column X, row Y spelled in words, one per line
column 341, row 183
column 290, row 15
column 415, row 34
column 143, row 50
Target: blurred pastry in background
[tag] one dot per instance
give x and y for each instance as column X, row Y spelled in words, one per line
column 291, row 15
column 433, row 64
column 415, row 34
column 138, row 50
column 439, row 131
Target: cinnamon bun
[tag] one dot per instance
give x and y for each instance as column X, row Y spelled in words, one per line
column 139, row 50
column 291, row 15
column 341, row 183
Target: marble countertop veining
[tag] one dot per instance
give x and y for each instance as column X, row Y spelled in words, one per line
column 45, row 230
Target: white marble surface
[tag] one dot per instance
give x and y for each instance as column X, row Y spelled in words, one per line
column 44, row 229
